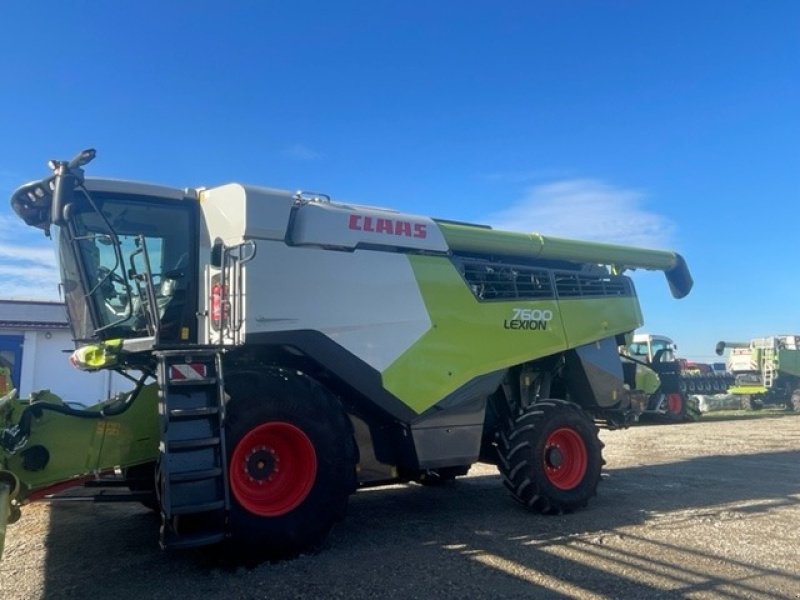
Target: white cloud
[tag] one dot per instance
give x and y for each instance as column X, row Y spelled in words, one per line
column 587, row 209
column 301, row 152
column 37, row 254
column 28, row 267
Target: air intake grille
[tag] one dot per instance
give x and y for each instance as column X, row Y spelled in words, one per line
column 572, row 285
column 499, row 281
column 493, row 281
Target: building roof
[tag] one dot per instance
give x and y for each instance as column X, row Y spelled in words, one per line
column 32, row 314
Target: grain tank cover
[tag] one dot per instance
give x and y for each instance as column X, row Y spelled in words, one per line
column 324, row 223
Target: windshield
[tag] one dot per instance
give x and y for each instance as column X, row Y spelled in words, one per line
column 656, row 350
column 665, row 348
column 103, row 258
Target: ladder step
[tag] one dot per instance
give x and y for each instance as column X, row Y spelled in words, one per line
column 188, row 413
column 188, row 509
column 195, row 475
column 196, row 540
column 193, row 444
column 188, row 382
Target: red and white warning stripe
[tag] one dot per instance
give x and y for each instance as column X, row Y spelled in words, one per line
column 187, row 372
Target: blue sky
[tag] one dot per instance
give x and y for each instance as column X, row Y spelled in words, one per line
column 671, row 125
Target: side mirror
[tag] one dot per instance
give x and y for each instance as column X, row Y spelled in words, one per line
column 63, row 190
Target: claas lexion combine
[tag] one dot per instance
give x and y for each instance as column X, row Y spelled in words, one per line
column 285, row 349
column 766, row 370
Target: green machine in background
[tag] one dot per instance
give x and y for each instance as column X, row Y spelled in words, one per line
column 766, row 370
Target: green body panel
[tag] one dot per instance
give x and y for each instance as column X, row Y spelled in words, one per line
column 647, row 380
column 747, row 390
column 80, row 446
column 469, row 338
column 789, row 362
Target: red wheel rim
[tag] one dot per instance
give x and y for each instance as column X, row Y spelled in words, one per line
column 565, row 458
column 272, row 469
column 674, row 403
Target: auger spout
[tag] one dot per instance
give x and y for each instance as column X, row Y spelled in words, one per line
column 469, row 238
column 720, row 348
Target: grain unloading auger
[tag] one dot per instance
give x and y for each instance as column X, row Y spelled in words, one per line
column 286, row 349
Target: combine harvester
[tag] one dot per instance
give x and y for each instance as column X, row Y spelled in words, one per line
column 680, row 379
column 287, row 349
column 766, row 371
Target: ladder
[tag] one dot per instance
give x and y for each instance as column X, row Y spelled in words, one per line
column 192, row 472
column 768, row 367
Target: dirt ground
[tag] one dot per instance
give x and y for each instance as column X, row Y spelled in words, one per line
column 697, row 510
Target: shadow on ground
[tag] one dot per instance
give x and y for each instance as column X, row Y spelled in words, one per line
column 468, row 539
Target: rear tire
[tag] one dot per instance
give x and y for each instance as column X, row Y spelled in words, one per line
column 551, row 457
column 794, row 403
column 291, row 462
column 750, row 402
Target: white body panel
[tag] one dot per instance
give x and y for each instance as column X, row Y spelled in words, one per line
column 367, row 302
column 235, row 213
column 741, row 360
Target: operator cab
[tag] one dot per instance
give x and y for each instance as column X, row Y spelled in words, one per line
column 127, row 254
column 652, row 348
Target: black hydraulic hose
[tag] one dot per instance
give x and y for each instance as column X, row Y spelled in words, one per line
column 35, row 410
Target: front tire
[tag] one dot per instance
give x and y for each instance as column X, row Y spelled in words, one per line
column 291, row 462
column 551, row 457
column 675, row 407
column 751, row 402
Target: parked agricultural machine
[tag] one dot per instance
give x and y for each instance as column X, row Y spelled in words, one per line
column 694, row 377
column 287, row 349
column 766, row 370
column 671, row 401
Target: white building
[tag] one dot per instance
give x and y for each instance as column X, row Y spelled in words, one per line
column 35, row 340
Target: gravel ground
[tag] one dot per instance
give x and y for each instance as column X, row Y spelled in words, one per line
column 698, row 510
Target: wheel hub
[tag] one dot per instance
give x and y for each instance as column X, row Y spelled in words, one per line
column 565, row 458
column 272, row 468
column 261, row 464
column 553, row 457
